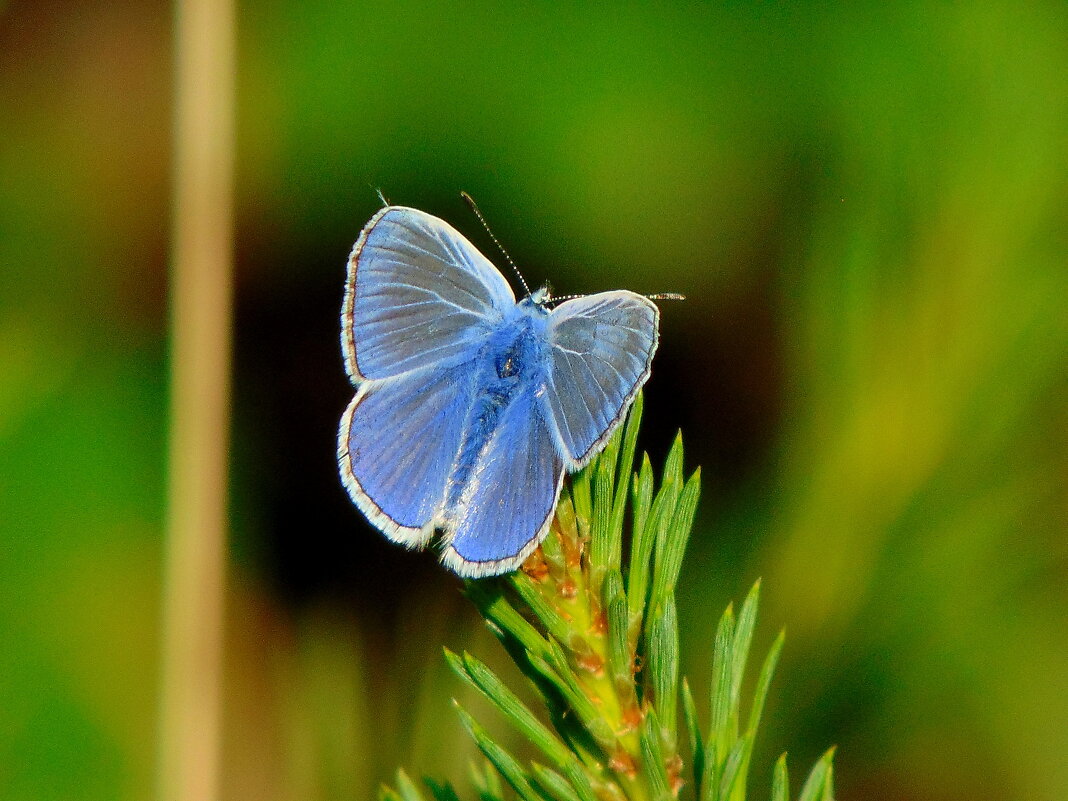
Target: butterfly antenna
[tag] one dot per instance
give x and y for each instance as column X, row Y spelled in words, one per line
column 656, row 296
column 666, row 296
column 562, row 298
column 470, row 201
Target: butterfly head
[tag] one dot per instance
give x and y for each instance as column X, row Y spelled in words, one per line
column 542, row 296
column 539, row 300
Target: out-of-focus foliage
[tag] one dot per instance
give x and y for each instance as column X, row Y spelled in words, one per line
column 866, row 207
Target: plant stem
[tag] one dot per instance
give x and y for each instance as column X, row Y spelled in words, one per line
column 194, row 581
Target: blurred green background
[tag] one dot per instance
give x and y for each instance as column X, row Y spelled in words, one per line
column 868, row 209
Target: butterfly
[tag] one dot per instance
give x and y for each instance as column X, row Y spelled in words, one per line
column 471, row 406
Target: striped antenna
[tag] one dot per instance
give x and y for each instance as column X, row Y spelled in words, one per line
column 474, row 207
column 657, row 296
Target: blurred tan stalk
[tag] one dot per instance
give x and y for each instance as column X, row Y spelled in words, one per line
column 195, row 569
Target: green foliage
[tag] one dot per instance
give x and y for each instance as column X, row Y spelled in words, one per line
column 601, row 647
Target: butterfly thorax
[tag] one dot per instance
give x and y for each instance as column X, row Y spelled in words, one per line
column 509, row 364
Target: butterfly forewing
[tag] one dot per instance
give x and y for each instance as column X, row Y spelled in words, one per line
column 418, row 295
column 601, row 348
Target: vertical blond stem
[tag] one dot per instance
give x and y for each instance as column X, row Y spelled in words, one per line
column 195, row 568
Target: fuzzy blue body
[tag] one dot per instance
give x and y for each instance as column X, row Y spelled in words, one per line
column 470, row 406
column 510, row 363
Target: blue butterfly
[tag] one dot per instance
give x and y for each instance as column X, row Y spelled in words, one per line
column 470, row 407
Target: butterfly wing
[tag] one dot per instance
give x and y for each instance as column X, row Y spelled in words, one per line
column 418, row 294
column 601, row 348
column 508, row 502
column 397, row 445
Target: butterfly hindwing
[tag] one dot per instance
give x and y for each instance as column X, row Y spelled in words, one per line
column 601, row 348
column 505, row 509
column 397, row 446
column 418, row 294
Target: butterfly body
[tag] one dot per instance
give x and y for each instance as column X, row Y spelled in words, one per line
column 508, row 364
column 470, row 406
